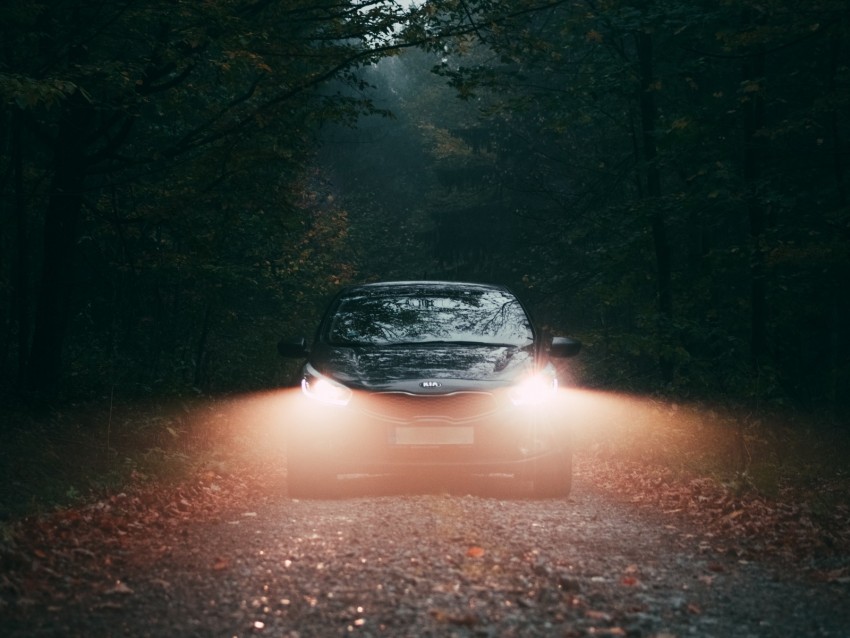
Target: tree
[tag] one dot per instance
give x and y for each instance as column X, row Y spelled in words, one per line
column 157, row 104
column 702, row 143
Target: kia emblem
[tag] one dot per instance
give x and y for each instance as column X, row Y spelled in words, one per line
column 431, row 384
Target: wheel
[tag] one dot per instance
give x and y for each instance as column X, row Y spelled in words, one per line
column 553, row 477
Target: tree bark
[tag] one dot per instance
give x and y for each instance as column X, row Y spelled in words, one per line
column 840, row 310
column 652, row 175
column 21, row 281
column 201, row 355
column 754, row 119
column 61, row 227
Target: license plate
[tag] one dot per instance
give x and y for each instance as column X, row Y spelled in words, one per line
column 434, row 435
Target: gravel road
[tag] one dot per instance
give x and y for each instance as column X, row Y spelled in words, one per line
column 407, row 560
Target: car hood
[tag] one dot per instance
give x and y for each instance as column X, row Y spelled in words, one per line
column 376, row 367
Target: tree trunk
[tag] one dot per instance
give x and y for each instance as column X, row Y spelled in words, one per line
column 837, row 53
column 840, row 310
column 648, row 118
column 61, row 227
column 753, row 156
column 21, row 282
column 201, row 377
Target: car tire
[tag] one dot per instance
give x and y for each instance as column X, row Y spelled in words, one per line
column 553, row 477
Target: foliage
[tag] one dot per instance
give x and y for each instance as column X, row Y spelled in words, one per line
column 156, row 164
column 694, row 153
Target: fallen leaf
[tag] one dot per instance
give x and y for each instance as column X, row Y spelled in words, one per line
column 597, row 615
column 468, row 620
column 119, row 589
column 840, row 575
column 475, row 552
column 220, row 564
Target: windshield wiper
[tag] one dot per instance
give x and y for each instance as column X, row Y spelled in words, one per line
column 450, row 342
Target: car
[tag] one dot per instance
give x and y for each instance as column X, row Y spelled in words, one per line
column 412, row 377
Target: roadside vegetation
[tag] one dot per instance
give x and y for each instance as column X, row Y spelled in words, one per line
column 775, row 484
column 81, row 453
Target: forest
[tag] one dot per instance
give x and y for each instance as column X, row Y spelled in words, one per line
column 183, row 183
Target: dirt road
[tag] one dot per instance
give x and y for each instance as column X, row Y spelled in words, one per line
column 419, row 560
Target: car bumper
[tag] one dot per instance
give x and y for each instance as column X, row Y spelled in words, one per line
column 407, row 434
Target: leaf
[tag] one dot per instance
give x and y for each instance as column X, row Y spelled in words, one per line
column 597, row 615
column 475, row 552
column 220, row 564
column 119, row 589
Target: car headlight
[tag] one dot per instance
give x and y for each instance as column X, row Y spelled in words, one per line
column 321, row 388
column 535, row 390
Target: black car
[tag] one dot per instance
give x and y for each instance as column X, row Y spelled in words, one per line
column 418, row 376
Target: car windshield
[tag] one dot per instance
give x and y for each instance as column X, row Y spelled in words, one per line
column 454, row 316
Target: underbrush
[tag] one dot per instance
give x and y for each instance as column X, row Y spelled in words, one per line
column 82, row 453
column 778, row 454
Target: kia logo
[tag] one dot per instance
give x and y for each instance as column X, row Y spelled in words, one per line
column 431, row 384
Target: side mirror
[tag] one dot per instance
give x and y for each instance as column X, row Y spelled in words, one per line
column 295, row 348
column 564, row 347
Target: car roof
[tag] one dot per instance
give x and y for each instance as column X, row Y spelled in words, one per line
column 423, row 285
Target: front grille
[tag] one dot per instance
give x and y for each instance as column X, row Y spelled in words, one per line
column 403, row 407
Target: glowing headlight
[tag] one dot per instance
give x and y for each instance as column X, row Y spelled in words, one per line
column 535, row 390
column 319, row 387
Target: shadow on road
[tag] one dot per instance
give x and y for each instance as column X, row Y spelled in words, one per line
column 486, row 486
